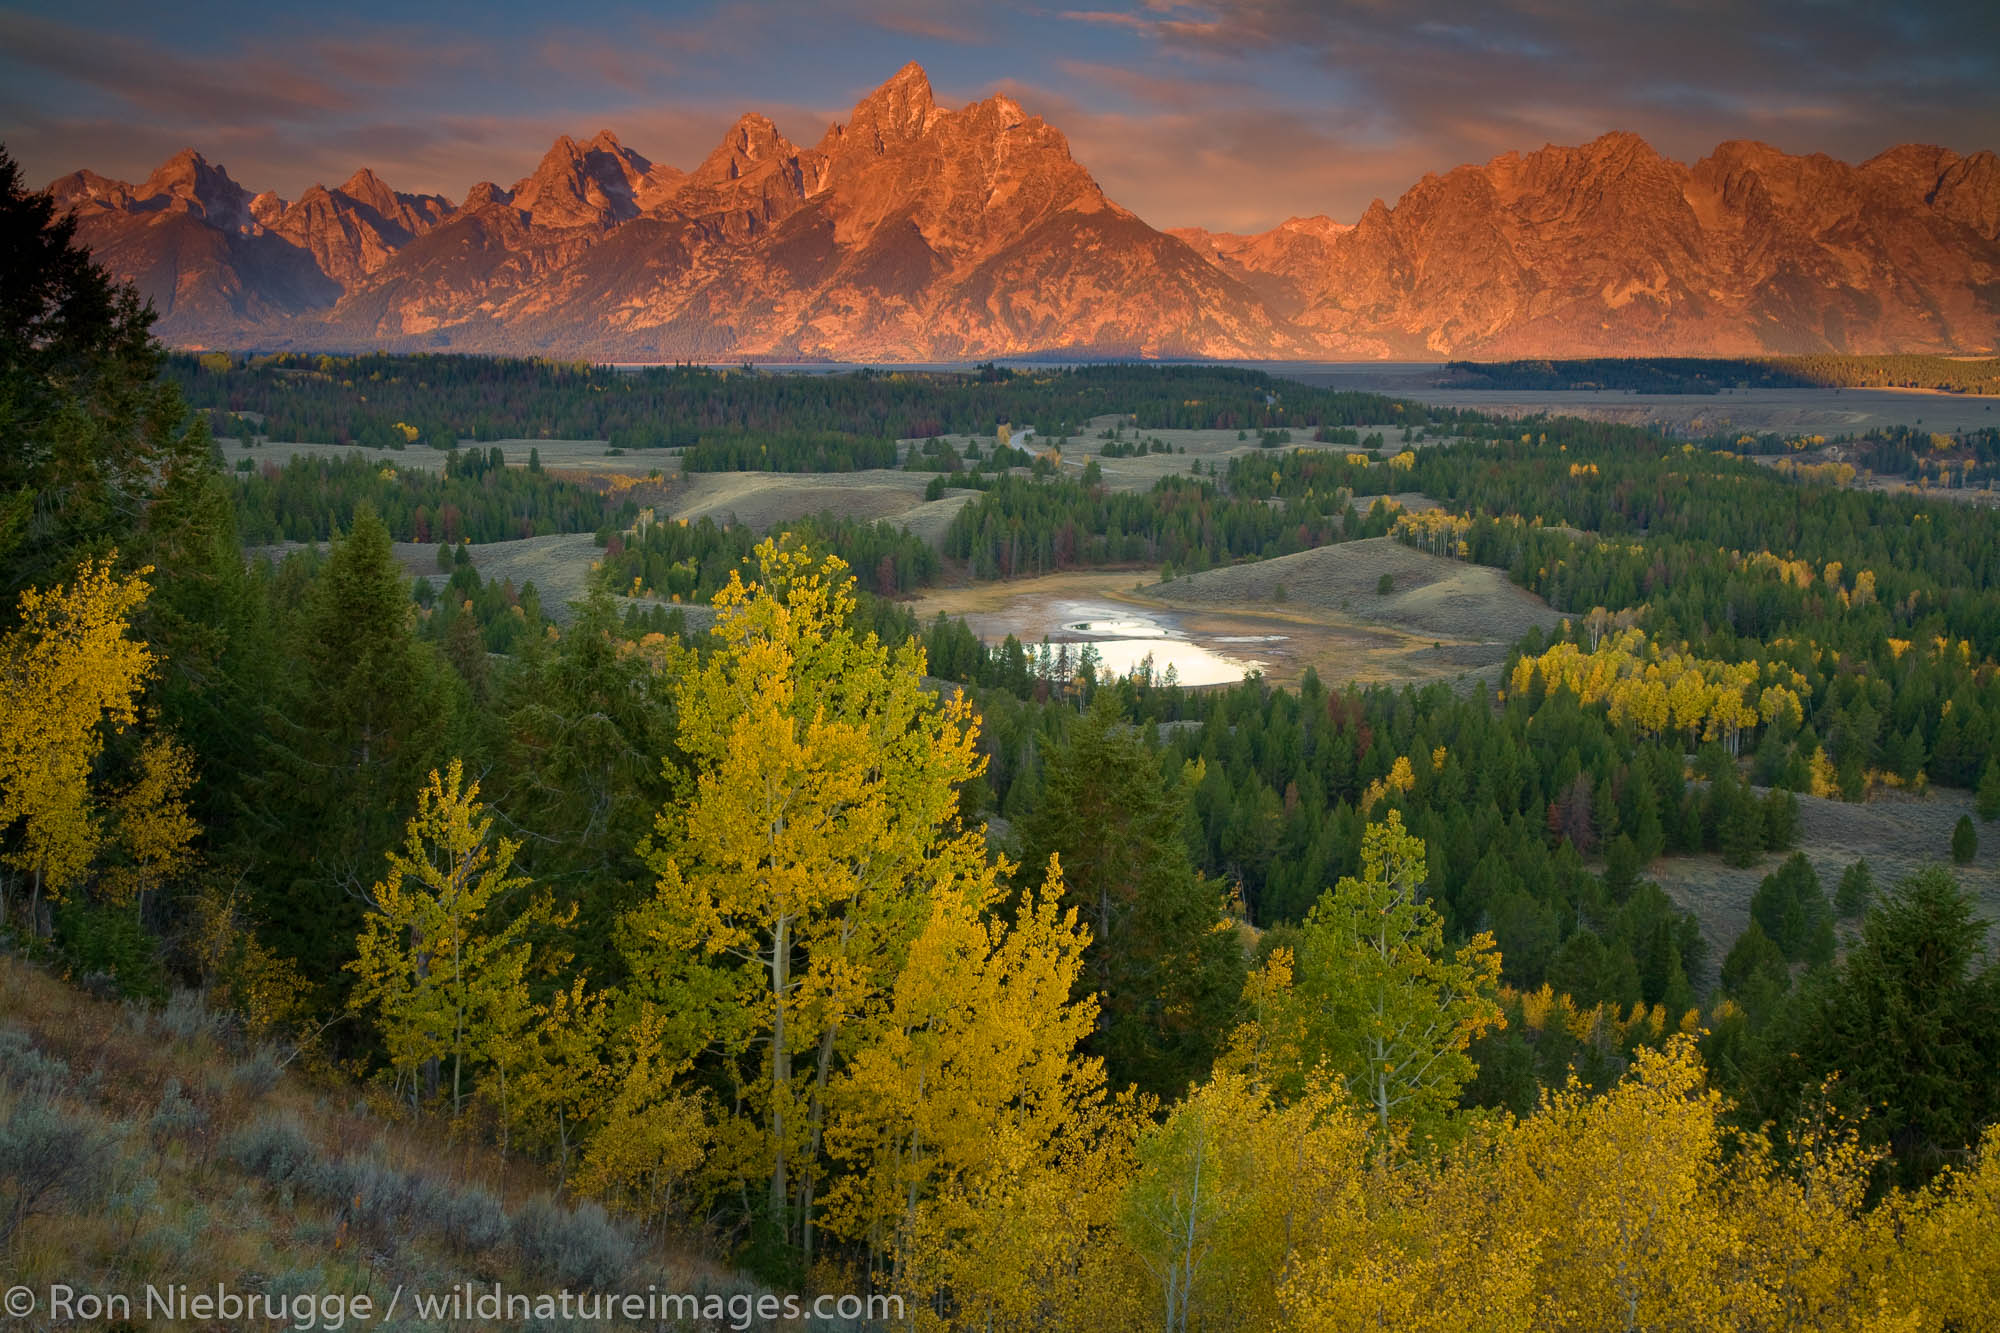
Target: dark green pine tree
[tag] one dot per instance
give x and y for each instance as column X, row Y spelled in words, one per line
column 369, row 712
column 1755, row 973
column 1964, row 841
column 1910, row 1021
column 1989, row 791
column 586, row 729
column 87, row 426
column 1741, row 828
column 1791, row 907
column 1781, row 820
column 209, row 620
column 1857, row 889
column 1167, row 968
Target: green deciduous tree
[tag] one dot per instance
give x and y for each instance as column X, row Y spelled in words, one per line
column 1371, row 993
column 443, row 972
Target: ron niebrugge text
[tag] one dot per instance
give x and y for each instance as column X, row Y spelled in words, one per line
column 305, row 1311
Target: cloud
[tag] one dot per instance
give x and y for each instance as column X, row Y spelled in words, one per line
column 921, row 18
column 1181, row 156
column 162, row 83
column 639, row 59
column 1840, row 75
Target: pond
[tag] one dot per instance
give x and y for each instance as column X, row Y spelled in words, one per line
column 1125, row 640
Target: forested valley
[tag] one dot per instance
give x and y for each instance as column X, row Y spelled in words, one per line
column 736, row 923
column 1708, row 375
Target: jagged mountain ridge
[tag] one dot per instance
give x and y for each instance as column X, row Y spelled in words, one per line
column 916, row 232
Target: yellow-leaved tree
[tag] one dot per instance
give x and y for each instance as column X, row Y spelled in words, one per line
column 816, row 826
column 557, row 1082
column 68, row 670
column 654, row 1134
column 1637, row 1228
column 1233, row 1187
column 156, row 832
column 444, row 979
column 1035, row 1249
column 972, row 1078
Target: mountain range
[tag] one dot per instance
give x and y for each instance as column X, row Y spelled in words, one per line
column 914, row 232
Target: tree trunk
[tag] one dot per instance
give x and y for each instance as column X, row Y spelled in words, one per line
column 781, row 1069
column 818, row 1127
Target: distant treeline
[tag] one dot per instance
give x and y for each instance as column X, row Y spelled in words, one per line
column 690, row 561
column 1022, row 526
column 1966, row 459
column 475, row 497
column 1683, row 374
column 400, row 400
column 787, row 451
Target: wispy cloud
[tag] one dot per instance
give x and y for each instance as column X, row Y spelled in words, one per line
column 162, row 82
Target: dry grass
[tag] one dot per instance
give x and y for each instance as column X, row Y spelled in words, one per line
column 1430, row 597
column 580, row 456
column 763, row 499
column 186, row 1204
column 1897, row 832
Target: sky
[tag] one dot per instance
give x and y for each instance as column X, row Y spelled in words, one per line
column 1232, row 114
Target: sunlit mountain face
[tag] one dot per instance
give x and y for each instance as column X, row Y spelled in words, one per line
column 915, row 231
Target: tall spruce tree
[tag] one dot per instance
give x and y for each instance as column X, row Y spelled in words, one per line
column 1166, row 966
column 370, row 711
column 1910, row 1024
column 89, row 428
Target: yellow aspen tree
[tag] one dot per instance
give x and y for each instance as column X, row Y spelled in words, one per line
column 68, row 669
column 1946, row 1267
column 975, row 1075
column 1808, row 1257
column 820, row 816
column 240, row 974
column 1687, row 700
column 1636, row 1237
column 654, row 1136
column 1269, row 1046
column 442, row 978
column 558, row 1081
column 1037, row 1250
column 1440, row 1252
column 155, row 830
